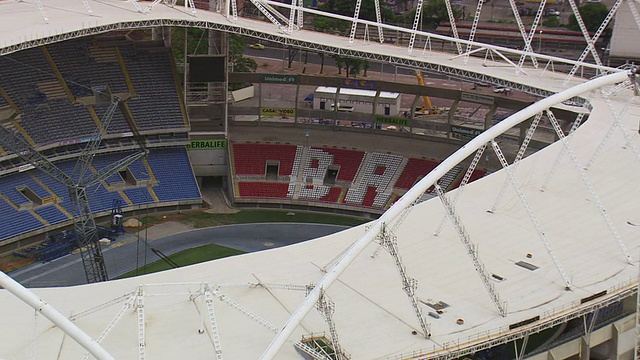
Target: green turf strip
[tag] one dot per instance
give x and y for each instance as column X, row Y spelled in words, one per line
column 186, row 257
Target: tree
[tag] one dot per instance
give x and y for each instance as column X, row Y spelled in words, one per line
column 365, row 67
column 236, row 55
column 592, row 15
column 433, row 12
column 339, row 63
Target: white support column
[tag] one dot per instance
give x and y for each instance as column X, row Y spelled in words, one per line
column 189, row 4
column 292, row 15
column 142, row 346
column 523, row 31
column 150, row 7
column 474, row 27
column 208, row 301
column 87, row 7
column 55, row 317
column 616, row 124
column 414, row 28
column 136, row 5
column 326, row 307
column 234, row 10
column 300, row 14
column 258, row 4
column 585, row 33
column 532, row 216
column 596, row 36
column 454, row 28
column 354, row 22
column 465, row 181
column 590, row 188
column 127, row 305
column 472, row 251
column 409, row 284
column 634, row 11
column 379, row 21
column 41, row 9
column 556, row 163
column 516, row 161
column 529, row 39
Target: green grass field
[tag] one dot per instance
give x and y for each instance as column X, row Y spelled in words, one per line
column 211, row 252
column 187, row 257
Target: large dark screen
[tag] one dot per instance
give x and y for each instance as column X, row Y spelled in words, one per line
column 206, row 69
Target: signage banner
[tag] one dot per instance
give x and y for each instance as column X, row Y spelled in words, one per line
column 283, row 112
column 358, row 84
column 465, row 131
column 279, row 79
column 207, row 144
column 400, row 121
column 476, row 98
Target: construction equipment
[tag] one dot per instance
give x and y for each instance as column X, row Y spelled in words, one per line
column 427, row 108
column 78, row 184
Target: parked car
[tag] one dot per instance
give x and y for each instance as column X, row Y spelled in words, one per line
column 502, row 90
column 257, row 46
column 552, row 12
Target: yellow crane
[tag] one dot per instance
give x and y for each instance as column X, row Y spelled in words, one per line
column 427, row 107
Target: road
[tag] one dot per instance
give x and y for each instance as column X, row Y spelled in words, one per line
column 126, row 253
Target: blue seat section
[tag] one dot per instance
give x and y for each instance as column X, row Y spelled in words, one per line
column 99, row 197
column 51, row 214
column 56, row 120
column 100, row 162
column 20, row 73
column 16, row 222
column 174, row 174
column 138, row 170
column 9, row 187
column 77, row 65
column 158, row 103
column 139, row 195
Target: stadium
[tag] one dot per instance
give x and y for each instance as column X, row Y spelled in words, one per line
column 540, row 249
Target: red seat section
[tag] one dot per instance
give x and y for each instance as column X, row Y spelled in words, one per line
column 263, row 189
column 251, row 159
column 415, row 169
column 333, row 195
column 349, row 161
column 475, row 175
column 369, row 196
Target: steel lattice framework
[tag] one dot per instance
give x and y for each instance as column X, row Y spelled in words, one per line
column 286, row 35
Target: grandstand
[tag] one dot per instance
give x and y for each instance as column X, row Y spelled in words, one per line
column 545, row 244
column 50, row 90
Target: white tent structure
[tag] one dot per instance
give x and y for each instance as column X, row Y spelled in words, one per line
column 549, row 238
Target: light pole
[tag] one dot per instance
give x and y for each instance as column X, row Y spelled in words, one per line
column 540, row 41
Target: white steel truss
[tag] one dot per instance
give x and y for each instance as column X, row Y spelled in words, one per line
column 414, row 27
column 585, row 33
column 208, row 301
column 463, row 184
column 591, row 41
column 354, row 22
column 472, row 251
column 556, row 163
column 516, row 161
column 634, row 11
column 617, row 116
column 234, row 10
column 454, row 28
column 532, row 34
column 327, row 307
column 474, row 27
column 590, row 188
column 379, row 20
column 532, row 216
column 409, row 285
column 139, row 304
column 87, row 7
column 523, row 31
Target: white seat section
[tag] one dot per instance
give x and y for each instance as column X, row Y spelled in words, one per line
column 377, row 173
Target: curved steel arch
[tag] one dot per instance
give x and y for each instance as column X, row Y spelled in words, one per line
column 417, row 190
